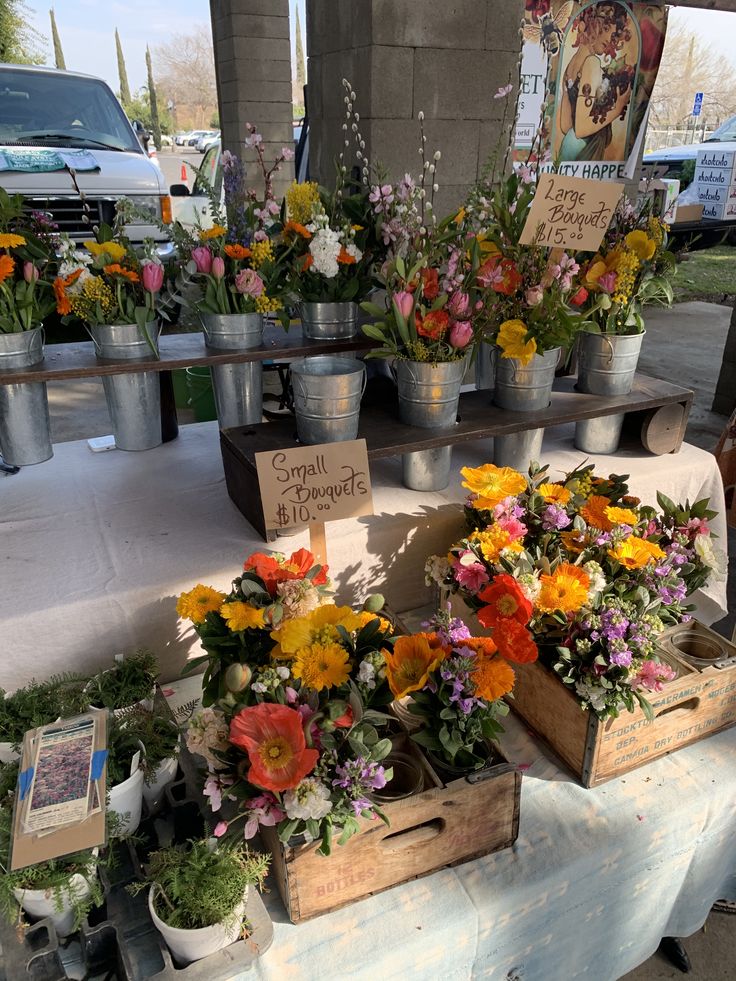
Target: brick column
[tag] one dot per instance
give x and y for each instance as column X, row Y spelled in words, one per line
column 725, row 395
column 253, row 68
column 403, row 57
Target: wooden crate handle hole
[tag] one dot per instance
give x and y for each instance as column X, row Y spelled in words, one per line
column 689, row 706
column 420, row 834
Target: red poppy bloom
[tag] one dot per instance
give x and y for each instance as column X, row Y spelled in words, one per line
column 579, row 297
column 515, row 642
column 273, row 737
column 272, row 572
column 433, row 325
column 430, row 284
column 505, row 601
column 500, row 274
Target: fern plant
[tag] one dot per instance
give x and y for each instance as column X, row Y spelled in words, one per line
column 129, row 681
column 40, row 703
column 159, row 735
column 199, row 884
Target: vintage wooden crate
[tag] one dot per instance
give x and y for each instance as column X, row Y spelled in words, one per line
column 699, row 702
column 441, row 826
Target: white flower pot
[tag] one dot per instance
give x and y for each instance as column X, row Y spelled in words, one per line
column 187, row 946
column 7, row 753
column 126, row 800
column 40, row 903
column 164, row 774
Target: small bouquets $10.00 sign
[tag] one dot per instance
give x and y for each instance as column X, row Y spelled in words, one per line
column 293, row 689
column 598, row 574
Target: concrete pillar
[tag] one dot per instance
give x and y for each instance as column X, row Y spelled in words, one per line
column 253, row 68
column 725, row 395
column 403, row 57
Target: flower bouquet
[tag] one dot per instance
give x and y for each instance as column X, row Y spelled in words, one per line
column 597, row 574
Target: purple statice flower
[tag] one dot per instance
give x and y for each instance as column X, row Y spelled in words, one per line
column 555, row 518
column 622, row 658
column 450, row 630
column 360, row 804
column 358, row 778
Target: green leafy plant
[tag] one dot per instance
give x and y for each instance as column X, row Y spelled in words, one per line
column 199, row 884
column 122, row 745
column 159, row 735
column 40, row 703
column 130, row 680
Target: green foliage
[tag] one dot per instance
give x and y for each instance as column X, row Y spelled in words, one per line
column 129, row 681
column 159, row 735
column 155, row 122
column 139, row 107
column 122, row 745
column 20, row 44
column 122, row 70
column 197, row 885
column 58, row 51
column 40, row 703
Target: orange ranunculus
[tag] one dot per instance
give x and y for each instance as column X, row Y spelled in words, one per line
column 492, row 677
column 409, row 664
column 344, row 257
column 236, row 251
column 60, row 285
column 434, row 325
column 273, row 737
column 430, row 284
column 7, row 265
column 295, row 228
column 594, row 512
column 115, row 269
column 515, row 642
column 505, row 600
column 565, row 590
column 272, row 572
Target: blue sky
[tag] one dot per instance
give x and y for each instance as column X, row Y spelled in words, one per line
column 87, row 30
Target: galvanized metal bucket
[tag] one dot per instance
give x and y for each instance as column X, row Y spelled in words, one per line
column 525, row 388
column 238, row 388
column 329, row 321
column 607, row 362
column 327, row 394
column 485, row 367
column 25, row 433
column 133, row 400
column 427, row 470
column 517, row 450
column 601, row 435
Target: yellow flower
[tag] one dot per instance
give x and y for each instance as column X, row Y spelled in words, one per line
column 9, row 241
column 492, row 484
column 115, row 250
column 260, row 252
column 320, row 627
column 493, row 541
column 493, row 678
column 487, row 247
column 241, row 616
column 651, row 549
column 511, row 340
column 410, row 663
column 198, row 602
column 460, row 216
column 321, row 666
column 594, row 512
column 635, row 553
column 268, row 304
column 365, row 618
column 554, row 494
column 595, row 270
column 566, row 589
column 94, row 297
column 217, row 231
column 300, row 201
column 621, row 516
column 641, row 244
column 356, row 228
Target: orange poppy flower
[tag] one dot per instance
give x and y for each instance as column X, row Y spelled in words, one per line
column 272, row 572
column 515, row 642
column 594, row 512
column 504, row 600
column 409, row 664
column 7, row 265
column 434, row 325
column 115, row 269
column 493, row 678
column 60, row 286
column 237, row 251
column 430, row 283
column 273, row 737
column 345, row 258
column 295, row 228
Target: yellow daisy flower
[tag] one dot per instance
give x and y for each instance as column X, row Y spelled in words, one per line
column 217, row 231
column 493, row 541
column 321, row 666
column 492, row 484
column 198, row 602
column 554, row 494
column 241, row 616
column 621, row 516
column 8, row 240
column 566, row 589
column 320, row 627
column 635, row 553
column 511, row 340
column 115, row 250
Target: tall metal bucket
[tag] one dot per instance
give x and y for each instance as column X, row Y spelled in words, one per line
column 25, row 434
column 601, row 435
column 133, row 400
column 485, row 367
column 238, row 388
column 525, row 388
column 517, row 450
column 607, row 362
column 327, row 393
column 329, row 321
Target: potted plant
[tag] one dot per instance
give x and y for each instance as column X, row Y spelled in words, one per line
column 26, row 298
column 160, row 738
column 131, row 680
column 125, row 775
column 38, row 704
column 198, row 893
column 64, row 889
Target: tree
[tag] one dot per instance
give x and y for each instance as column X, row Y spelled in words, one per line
column 20, row 44
column 139, row 108
column 186, row 76
column 155, row 124
column 58, row 53
column 301, row 73
column 122, row 71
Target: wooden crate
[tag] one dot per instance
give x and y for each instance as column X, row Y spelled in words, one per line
column 700, row 701
column 441, row 826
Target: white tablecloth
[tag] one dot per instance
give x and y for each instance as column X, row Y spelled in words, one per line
column 96, row 547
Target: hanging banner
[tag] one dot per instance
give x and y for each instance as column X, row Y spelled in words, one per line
column 588, row 70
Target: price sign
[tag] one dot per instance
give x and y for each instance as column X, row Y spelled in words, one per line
column 570, row 212
column 313, row 484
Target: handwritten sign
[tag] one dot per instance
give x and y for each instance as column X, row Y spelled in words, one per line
column 570, row 212
column 310, row 484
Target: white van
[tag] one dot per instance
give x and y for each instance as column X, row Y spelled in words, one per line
column 67, row 112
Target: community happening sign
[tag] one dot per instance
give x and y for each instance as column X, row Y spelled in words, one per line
column 588, row 70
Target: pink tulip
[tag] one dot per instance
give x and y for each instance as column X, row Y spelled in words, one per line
column 30, row 273
column 203, row 258
column 459, row 305
column 461, row 334
column 153, row 276
column 534, row 296
column 220, row 829
column 218, row 267
column 249, row 282
column 404, row 303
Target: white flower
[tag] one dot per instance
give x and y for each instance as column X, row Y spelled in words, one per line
column 298, row 597
column 67, row 267
column 530, row 586
column 353, row 250
column 283, row 672
column 598, row 581
column 208, row 731
column 310, row 799
column 436, row 569
column 714, row 558
column 367, row 674
column 325, row 248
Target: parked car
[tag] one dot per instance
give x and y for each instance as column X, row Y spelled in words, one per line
column 679, row 161
column 68, row 111
column 195, row 135
column 181, row 138
column 207, row 140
